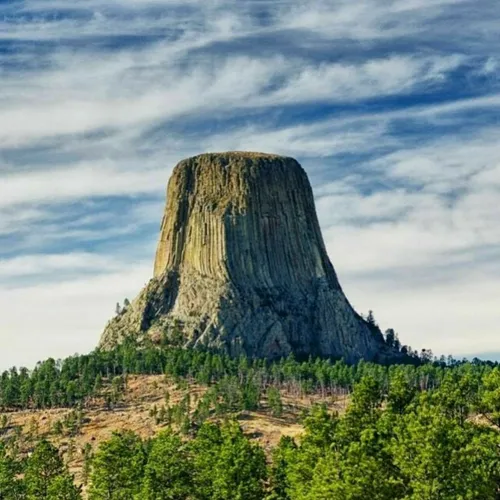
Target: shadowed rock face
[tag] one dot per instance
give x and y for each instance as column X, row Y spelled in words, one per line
column 241, row 266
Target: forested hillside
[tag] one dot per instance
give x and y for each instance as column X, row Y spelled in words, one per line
column 424, row 431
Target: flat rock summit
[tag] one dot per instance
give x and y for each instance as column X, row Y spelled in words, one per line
column 241, row 267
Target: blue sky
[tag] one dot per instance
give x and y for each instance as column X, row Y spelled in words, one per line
column 392, row 106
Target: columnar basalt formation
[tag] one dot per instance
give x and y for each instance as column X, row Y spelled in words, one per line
column 241, row 266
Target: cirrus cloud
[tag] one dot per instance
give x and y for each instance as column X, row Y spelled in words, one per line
column 391, row 107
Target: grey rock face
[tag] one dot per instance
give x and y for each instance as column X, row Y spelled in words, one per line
column 241, row 266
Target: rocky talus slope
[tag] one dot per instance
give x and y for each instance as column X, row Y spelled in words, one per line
column 241, row 266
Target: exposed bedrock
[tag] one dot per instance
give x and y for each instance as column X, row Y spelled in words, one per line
column 241, row 266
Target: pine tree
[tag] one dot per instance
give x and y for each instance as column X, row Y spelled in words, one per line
column 490, row 401
column 62, row 487
column 117, row 467
column 390, row 337
column 87, row 462
column 167, row 475
column 43, row 466
column 227, row 466
column 274, row 401
column 11, row 487
column 279, row 485
column 401, row 391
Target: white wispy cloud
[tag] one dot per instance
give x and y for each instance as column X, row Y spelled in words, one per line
column 367, row 19
column 47, row 264
column 138, row 89
column 77, row 181
column 389, row 105
column 60, row 319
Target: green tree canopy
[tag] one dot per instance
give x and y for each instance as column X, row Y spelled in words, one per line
column 43, row 467
column 117, row 468
column 168, row 472
column 227, row 465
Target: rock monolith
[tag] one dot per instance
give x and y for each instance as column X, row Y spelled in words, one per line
column 241, row 267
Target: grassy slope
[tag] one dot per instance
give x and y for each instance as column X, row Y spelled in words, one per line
column 133, row 412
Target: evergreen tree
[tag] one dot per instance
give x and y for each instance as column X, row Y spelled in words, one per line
column 204, row 450
column 279, row 484
column 87, row 462
column 390, row 337
column 11, row 488
column 227, row 465
column 117, row 468
column 167, row 474
column 490, row 400
column 274, row 401
column 320, row 430
column 402, row 390
column 43, row 467
column 440, row 458
column 62, row 487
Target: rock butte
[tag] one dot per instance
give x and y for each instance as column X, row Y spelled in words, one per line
column 241, row 266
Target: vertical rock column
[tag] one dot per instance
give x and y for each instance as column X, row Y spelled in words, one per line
column 241, row 266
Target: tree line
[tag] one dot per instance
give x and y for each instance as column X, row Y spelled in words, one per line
column 78, row 379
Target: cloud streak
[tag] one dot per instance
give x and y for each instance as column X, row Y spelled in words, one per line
column 390, row 106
